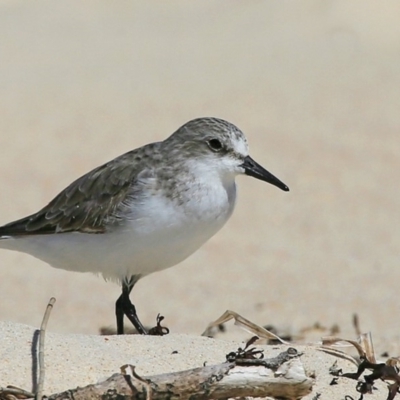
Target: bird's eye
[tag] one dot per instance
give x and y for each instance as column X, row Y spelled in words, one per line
column 215, row 144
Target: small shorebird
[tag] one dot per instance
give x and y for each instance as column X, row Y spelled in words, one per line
column 144, row 211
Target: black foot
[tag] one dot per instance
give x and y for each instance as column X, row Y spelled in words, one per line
column 124, row 306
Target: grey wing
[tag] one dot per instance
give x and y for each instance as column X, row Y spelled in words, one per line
column 86, row 205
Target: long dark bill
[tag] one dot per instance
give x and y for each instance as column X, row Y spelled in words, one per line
column 255, row 170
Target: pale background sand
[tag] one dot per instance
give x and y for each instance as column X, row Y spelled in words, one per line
column 314, row 85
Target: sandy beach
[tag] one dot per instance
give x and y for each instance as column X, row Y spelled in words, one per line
column 314, row 86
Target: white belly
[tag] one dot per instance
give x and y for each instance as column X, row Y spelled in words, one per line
column 156, row 236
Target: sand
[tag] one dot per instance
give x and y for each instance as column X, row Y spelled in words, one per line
column 77, row 360
column 315, row 87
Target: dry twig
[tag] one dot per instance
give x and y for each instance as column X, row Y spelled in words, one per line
column 245, row 324
column 46, row 316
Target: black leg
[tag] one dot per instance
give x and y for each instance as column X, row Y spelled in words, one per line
column 124, row 306
column 119, row 313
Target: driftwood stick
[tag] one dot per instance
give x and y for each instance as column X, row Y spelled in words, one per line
column 230, row 379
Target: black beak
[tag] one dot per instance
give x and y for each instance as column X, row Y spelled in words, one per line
column 255, row 170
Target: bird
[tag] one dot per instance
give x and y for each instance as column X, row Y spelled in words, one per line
column 144, row 211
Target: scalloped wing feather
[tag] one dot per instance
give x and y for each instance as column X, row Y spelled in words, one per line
column 86, row 205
